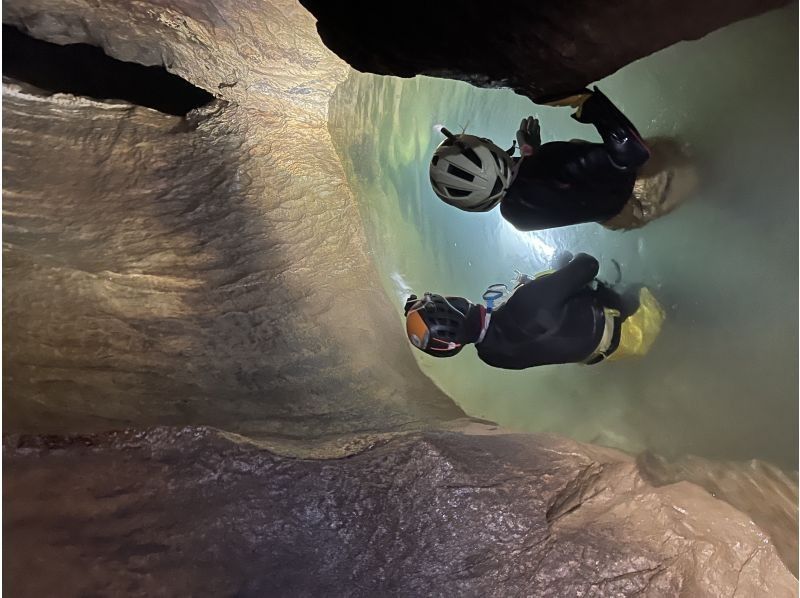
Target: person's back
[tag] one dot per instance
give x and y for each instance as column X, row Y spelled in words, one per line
column 566, row 183
column 561, row 316
column 557, row 318
column 551, row 185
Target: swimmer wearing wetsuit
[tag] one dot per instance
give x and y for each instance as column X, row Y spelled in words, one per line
column 566, row 316
column 553, row 184
column 570, row 182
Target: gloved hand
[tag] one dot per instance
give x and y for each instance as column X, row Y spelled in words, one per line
column 529, row 136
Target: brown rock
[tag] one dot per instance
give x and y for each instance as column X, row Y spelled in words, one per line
column 540, row 49
column 208, row 271
column 762, row 491
column 175, row 512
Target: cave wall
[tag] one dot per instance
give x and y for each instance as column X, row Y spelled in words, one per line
column 213, row 270
column 540, row 49
column 761, row 490
column 190, row 511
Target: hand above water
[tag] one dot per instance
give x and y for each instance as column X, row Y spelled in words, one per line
column 529, row 136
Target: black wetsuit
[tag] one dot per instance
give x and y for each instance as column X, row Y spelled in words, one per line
column 566, row 183
column 556, row 318
column 570, row 182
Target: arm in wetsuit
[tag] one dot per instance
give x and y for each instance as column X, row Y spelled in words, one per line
column 624, row 147
column 550, row 293
column 552, row 319
column 564, row 183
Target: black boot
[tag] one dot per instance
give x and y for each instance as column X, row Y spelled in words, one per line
column 625, row 146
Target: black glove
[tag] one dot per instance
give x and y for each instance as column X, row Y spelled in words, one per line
column 529, row 135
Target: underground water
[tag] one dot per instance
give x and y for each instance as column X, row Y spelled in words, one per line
column 210, row 222
column 721, row 379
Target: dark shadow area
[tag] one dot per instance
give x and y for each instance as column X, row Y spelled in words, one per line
column 538, row 49
column 84, row 70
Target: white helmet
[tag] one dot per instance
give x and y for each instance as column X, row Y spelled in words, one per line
column 470, row 173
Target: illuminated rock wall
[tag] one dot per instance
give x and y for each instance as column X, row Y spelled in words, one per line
column 212, row 270
column 189, row 511
column 203, row 271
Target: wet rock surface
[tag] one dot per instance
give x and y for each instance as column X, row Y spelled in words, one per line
column 212, row 270
column 758, row 489
column 540, row 49
column 207, row 270
column 193, row 511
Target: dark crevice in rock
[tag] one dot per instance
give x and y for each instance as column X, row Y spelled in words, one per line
column 84, row 70
column 573, row 495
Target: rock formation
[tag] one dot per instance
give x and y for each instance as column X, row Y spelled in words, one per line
column 211, row 270
column 540, row 49
column 762, row 491
column 190, row 511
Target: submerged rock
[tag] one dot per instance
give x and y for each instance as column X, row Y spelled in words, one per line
column 191, row 511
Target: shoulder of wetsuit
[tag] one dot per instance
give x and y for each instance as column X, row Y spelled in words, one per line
column 488, row 355
column 515, row 213
column 553, row 159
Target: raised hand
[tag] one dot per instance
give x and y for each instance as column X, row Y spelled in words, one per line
column 529, row 135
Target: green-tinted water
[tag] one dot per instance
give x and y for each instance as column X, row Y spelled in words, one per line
column 722, row 379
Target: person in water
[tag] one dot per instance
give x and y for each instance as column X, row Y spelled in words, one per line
column 553, row 184
column 560, row 316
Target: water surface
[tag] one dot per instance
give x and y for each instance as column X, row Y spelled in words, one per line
column 722, row 379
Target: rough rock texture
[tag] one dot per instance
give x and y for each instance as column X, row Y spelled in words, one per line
column 213, row 270
column 177, row 512
column 203, row 271
column 539, row 49
column 762, row 491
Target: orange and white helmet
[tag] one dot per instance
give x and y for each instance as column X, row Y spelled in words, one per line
column 437, row 324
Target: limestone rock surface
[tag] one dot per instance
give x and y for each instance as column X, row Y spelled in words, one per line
column 759, row 489
column 190, row 511
column 211, row 270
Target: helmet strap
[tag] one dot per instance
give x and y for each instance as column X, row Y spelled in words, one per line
column 486, row 316
column 515, row 171
column 449, row 346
